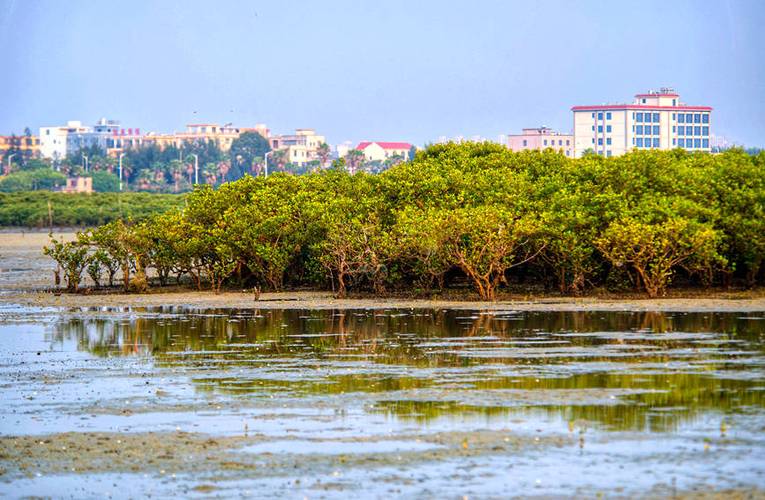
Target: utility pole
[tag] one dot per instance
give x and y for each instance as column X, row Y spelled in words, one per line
column 121, row 155
column 10, row 157
column 196, row 167
column 85, row 157
column 266, row 158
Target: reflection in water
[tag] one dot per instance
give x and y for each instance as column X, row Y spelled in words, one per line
column 641, row 371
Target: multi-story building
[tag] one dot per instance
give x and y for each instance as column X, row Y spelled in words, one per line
column 541, row 138
column 53, row 140
column 656, row 120
column 28, row 146
column 381, row 151
column 100, row 136
column 302, row 147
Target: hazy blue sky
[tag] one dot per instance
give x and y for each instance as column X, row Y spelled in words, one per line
column 383, row 70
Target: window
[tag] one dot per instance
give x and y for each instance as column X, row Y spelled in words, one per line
column 697, row 143
column 674, row 103
column 680, row 118
column 704, row 130
column 600, row 141
column 600, row 129
column 688, row 118
column 593, row 128
column 697, row 118
column 560, row 142
column 696, row 130
column 608, row 153
column 593, row 115
column 525, row 143
column 656, row 117
column 674, row 142
column 608, row 128
column 681, row 142
column 705, row 143
column 656, row 142
column 639, row 142
column 568, row 142
column 639, row 117
column 643, row 101
column 608, row 116
column 608, row 141
column 639, row 130
column 545, row 142
column 705, row 118
column 600, row 115
column 593, row 140
column 674, row 129
column 673, row 116
column 647, row 117
column 655, row 130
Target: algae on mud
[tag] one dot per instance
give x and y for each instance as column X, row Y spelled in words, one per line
column 380, row 402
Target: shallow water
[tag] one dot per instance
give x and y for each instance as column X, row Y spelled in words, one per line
column 381, row 402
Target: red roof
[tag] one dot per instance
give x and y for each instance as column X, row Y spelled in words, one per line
column 641, row 106
column 385, row 145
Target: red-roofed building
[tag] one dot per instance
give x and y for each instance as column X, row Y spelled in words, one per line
column 381, row 151
column 656, row 120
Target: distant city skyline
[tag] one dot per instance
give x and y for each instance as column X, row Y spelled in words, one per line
column 385, row 72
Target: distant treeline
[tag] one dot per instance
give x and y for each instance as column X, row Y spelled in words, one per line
column 44, row 208
column 472, row 212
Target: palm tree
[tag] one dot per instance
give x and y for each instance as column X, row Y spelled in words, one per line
column 323, row 153
column 354, row 159
column 279, row 157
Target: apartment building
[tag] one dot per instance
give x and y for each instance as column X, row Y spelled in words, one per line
column 53, row 140
column 655, row 120
column 302, row 147
column 26, row 146
column 541, row 138
column 381, row 151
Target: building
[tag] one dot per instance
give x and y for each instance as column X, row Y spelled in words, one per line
column 53, row 140
column 381, row 151
column 541, row 138
column 302, row 147
column 656, row 120
column 23, row 145
column 78, row 185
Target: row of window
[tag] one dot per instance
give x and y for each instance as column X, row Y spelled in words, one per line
column 691, row 143
column 552, row 142
column 647, row 143
column 600, row 115
column 691, row 117
column 600, row 141
column 600, row 129
column 691, row 130
column 646, row 129
column 646, row 117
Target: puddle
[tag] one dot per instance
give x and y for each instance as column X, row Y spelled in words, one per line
column 339, row 395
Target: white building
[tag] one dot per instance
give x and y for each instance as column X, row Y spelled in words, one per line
column 53, row 140
column 102, row 135
column 656, row 120
column 302, row 147
column 381, row 151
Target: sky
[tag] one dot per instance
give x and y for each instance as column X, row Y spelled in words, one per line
column 366, row 70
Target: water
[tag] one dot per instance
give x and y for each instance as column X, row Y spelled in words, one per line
column 379, row 402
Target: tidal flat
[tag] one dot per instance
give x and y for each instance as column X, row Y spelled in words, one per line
column 125, row 401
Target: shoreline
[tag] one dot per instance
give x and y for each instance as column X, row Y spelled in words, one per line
column 326, row 300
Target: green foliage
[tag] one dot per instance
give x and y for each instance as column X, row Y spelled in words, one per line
column 31, row 209
column 474, row 212
column 105, row 182
column 32, row 180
